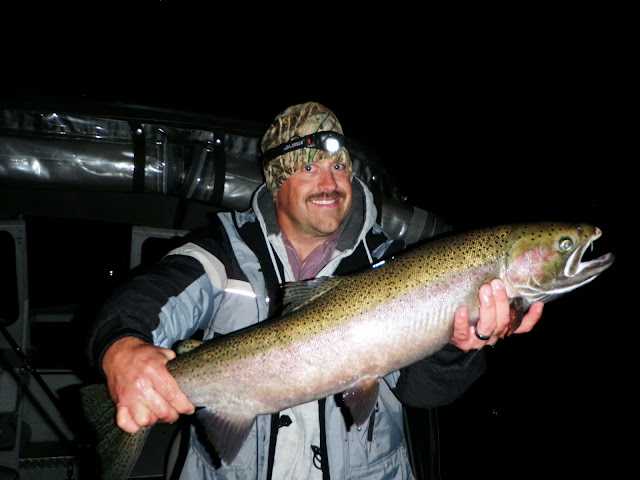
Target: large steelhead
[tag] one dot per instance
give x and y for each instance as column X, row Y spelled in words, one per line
column 342, row 334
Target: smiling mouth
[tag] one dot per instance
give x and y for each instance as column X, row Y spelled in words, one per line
column 324, row 202
column 325, row 199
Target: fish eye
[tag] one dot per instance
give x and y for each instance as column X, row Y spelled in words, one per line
column 566, row 244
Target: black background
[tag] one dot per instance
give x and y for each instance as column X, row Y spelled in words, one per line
column 483, row 130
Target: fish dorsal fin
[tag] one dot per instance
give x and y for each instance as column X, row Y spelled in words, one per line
column 361, row 399
column 226, row 432
column 298, row 294
column 187, row 345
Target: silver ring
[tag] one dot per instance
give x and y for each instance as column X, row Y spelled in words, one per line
column 482, row 337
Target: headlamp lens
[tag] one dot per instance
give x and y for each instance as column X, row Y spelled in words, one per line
column 332, row 145
column 328, row 141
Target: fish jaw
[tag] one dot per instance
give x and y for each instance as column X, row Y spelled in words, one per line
column 545, row 262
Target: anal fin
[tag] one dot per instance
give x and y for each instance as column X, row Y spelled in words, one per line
column 225, row 431
column 361, row 399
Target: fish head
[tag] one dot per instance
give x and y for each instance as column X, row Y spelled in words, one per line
column 545, row 260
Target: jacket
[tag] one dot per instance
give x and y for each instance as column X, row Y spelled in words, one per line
column 227, row 277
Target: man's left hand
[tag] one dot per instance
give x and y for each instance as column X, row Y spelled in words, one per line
column 494, row 319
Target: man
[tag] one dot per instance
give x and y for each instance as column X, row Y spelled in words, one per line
column 311, row 218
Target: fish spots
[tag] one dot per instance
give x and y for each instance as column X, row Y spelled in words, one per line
column 474, row 256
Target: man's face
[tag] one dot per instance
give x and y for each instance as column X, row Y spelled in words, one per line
column 315, row 200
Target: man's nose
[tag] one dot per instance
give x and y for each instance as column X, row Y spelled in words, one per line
column 327, row 182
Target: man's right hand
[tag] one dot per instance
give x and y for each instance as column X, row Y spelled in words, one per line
column 141, row 386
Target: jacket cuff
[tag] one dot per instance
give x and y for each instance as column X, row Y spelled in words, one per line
column 102, row 344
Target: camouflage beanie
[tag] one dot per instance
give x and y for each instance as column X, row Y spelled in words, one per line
column 296, row 122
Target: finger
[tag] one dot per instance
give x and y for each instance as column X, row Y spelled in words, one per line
column 171, row 400
column 125, row 420
column 501, row 300
column 530, row 319
column 155, row 397
column 158, row 407
column 143, row 402
column 176, row 398
column 463, row 336
column 461, row 331
column 487, row 321
column 142, row 415
column 168, row 353
column 145, row 409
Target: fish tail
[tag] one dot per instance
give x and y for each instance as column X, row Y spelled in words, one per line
column 117, row 450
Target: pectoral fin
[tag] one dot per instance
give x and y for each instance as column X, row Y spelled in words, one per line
column 299, row 294
column 361, row 399
column 516, row 312
column 226, row 432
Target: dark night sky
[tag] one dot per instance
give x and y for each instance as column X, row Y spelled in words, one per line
column 477, row 123
column 521, row 137
column 472, row 146
column 475, row 155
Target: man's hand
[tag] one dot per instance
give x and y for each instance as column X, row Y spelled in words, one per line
column 141, row 386
column 494, row 318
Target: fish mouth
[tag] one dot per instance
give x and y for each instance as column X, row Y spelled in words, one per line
column 578, row 271
column 576, row 267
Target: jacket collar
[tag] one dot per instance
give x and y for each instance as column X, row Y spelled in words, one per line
column 359, row 221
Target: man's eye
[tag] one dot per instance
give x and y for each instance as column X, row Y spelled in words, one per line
column 339, row 166
column 308, row 168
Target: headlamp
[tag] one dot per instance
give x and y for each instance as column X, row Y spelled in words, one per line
column 327, row 141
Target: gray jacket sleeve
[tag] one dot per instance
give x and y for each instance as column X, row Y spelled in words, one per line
column 440, row 378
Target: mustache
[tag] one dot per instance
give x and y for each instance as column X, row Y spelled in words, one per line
column 338, row 194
